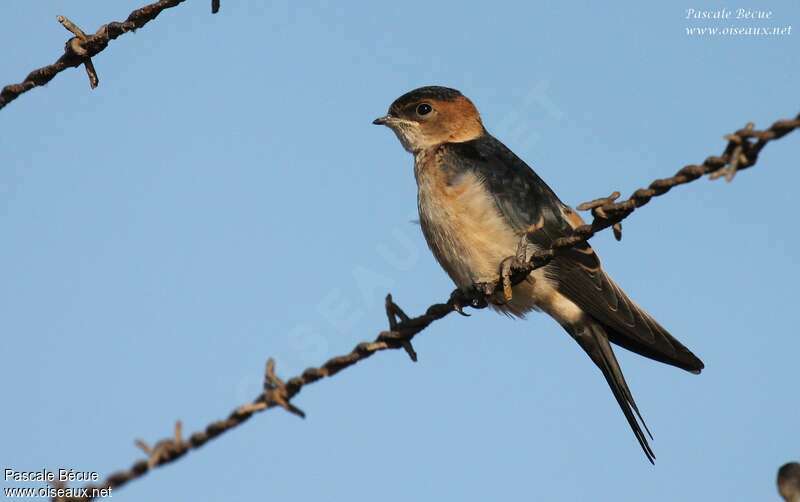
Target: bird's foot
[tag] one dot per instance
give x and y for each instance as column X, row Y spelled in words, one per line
column 508, row 268
column 474, row 298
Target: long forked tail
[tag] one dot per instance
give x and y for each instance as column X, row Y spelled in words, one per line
column 592, row 337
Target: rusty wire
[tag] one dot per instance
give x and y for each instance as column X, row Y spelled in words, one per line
column 740, row 153
column 80, row 49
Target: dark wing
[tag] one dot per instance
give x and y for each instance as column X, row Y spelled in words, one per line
column 525, row 199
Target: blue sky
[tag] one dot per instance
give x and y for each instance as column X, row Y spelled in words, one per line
column 223, row 197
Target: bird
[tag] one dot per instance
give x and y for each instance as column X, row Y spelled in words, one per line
column 479, row 204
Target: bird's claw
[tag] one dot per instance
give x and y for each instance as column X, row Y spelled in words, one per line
column 474, row 298
column 479, row 303
column 459, row 302
column 505, row 276
column 507, row 269
column 460, row 309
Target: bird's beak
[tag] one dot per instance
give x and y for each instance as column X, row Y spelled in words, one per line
column 382, row 120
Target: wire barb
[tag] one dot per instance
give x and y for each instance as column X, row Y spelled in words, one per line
column 741, row 142
column 593, row 204
column 165, row 450
column 392, row 312
column 75, row 44
column 275, row 391
column 80, row 49
column 617, row 228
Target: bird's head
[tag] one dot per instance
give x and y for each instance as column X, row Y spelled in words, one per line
column 430, row 116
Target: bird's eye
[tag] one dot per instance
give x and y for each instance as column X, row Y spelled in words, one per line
column 423, row 109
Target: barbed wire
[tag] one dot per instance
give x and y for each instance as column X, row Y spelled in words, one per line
column 80, row 49
column 740, row 153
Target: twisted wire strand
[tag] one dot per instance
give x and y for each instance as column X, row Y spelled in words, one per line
column 81, row 48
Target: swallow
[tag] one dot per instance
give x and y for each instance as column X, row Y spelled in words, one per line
column 479, row 204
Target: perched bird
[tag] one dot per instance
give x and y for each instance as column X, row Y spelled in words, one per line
column 477, row 201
